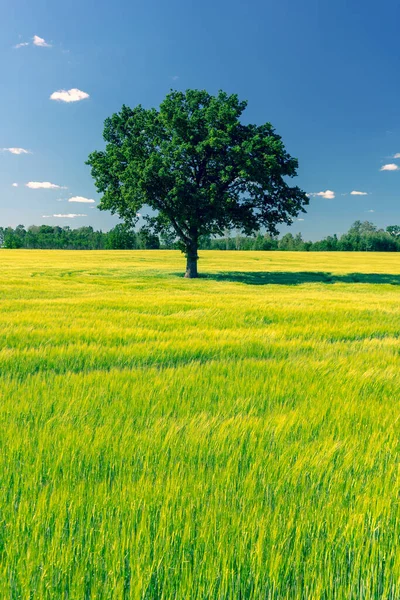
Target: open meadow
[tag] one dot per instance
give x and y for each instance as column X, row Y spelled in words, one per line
column 227, row 438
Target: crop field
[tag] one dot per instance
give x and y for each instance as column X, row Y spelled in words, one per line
column 228, row 438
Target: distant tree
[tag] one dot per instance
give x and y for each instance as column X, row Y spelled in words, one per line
column 287, row 242
column 332, row 242
column 394, row 230
column 298, row 242
column 198, row 168
column 270, row 242
column 258, row 242
column 328, row 244
column 167, row 240
column 366, row 237
column 264, row 242
column 13, row 238
column 121, row 237
column 148, row 240
column 205, row 242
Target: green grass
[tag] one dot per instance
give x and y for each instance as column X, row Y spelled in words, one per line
column 234, row 437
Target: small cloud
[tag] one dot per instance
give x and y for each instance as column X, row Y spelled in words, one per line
column 397, row 155
column 67, row 216
column 82, row 200
column 300, row 219
column 356, row 193
column 15, row 184
column 370, row 210
column 390, row 167
column 43, row 185
column 72, row 95
column 175, row 77
column 38, row 41
column 328, row 194
column 21, row 45
column 16, row 150
column 60, row 199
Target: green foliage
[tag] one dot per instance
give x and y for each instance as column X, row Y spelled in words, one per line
column 367, row 237
column 198, row 168
column 393, row 230
column 290, row 242
column 361, row 237
column 224, row 440
column 121, row 237
column 148, row 240
column 52, row 237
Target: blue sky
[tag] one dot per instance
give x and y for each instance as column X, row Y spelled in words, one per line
column 325, row 74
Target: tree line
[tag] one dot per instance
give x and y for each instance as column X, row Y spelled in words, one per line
column 121, row 237
column 362, row 236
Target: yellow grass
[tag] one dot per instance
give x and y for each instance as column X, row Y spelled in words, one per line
column 234, row 437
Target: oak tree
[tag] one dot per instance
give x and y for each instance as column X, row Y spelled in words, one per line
column 197, row 170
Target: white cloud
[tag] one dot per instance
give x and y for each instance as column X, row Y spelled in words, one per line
column 67, row 216
column 328, row 194
column 390, row 167
column 397, row 155
column 355, row 193
column 38, row 41
column 15, row 184
column 300, row 219
column 43, row 185
column 72, row 95
column 16, row 150
column 370, row 210
column 82, row 200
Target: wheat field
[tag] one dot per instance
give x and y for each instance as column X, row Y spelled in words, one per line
column 228, row 438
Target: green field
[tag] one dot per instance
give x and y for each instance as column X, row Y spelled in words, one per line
column 233, row 437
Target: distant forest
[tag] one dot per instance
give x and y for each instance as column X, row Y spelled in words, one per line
column 362, row 236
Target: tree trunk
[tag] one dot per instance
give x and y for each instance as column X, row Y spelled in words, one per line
column 191, row 262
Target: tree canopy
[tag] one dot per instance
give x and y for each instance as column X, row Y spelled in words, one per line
column 198, row 168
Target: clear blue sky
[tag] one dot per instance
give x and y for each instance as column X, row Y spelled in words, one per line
column 325, row 74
